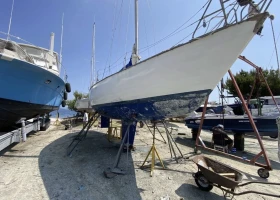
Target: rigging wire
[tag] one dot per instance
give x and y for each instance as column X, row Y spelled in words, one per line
column 273, row 50
column 112, row 41
column 119, row 27
column 276, row 52
column 145, row 26
column 214, row 28
column 113, row 34
column 153, row 24
column 176, row 31
column 128, row 17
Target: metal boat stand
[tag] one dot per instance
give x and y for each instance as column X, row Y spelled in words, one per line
column 262, row 172
column 259, row 75
column 82, row 134
column 115, row 170
column 171, row 141
column 153, row 150
column 154, row 125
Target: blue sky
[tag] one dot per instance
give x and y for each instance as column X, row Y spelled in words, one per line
column 33, row 20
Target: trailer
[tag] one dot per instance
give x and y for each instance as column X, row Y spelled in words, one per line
column 20, row 134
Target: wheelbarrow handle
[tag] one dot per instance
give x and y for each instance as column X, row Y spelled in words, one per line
column 258, row 182
column 256, row 192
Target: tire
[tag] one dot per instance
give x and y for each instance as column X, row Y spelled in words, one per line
column 202, row 182
column 68, row 87
column 63, row 103
column 263, row 173
column 65, row 95
column 274, row 137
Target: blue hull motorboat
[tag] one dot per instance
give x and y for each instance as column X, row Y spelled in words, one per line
column 30, row 82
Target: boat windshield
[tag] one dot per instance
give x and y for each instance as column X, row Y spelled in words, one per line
column 42, row 57
column 16, row 49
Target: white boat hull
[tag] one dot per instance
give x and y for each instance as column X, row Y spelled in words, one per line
column 83, row 105
column 173, row 83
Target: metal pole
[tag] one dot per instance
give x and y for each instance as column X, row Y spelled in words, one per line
column 92, row 78
column 224, row 12
column 61, row 39
column 222, row 97
column 201, row 122
column 10, row 23
column 23, row 133
column 172, row 139
column 118, row 157
column 136, row 27
column 250, row 118
column 203, row 17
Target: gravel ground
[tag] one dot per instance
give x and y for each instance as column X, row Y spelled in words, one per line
column 40, row 169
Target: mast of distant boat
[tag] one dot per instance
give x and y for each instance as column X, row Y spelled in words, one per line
column 136, row 30
column 61, row 37
column 93, row 76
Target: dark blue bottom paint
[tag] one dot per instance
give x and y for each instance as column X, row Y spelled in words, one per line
column 154, row 108
column 12, row 111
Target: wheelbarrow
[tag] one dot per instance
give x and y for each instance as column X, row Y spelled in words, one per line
column 213, row 173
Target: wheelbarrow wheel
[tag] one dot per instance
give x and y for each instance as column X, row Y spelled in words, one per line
column 263, row 173
column 202, row 182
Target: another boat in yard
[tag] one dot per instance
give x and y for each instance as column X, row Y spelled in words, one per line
column 30, row 82
column 266, row 124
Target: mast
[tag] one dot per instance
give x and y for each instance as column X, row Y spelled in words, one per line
column 93, row 76
column 61, row 37
column 10, row 23
column 136, row 28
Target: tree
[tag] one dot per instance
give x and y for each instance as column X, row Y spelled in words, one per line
column 77, row 96
column 245, row 81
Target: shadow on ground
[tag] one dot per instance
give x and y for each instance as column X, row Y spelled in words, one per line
column 81, row 176
column 183, row 191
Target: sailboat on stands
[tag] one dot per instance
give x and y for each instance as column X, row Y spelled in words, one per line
column 177, row 81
